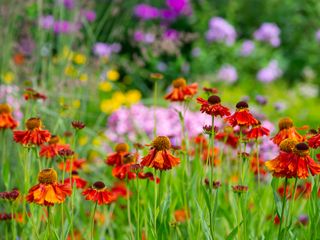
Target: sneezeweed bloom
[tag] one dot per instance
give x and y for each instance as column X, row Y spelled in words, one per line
column 181, row 215
column 181, row 90
column 34, row 135
column 77, row 164
column 159, row 156
column 48, row 191
column 213, row 106
column 99, row 193
column 258, row 170
column 31, row 94
column 52, row 148
column 65, row 153
column 314, row 141
column 242, row 116
column 257, row 131
column 6, row 119
column 286, row 130
column 156, row 76
column 228, row 137
column 210, row 90
column 78, row 125
column 124, row 171
column 76, row 179
column 117, row 158
column 215, row 184
column 10, row 196
column 239, row 189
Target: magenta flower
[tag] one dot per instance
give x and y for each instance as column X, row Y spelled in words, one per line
column 146, row 12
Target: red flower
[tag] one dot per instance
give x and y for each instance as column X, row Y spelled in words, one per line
column 119, row 190
column 48, row 191
column 99, row 193
column 213, row 106
column 80, row 183
column 242, row 116
column 34, row 135
column 257, row 131
column 159, row 156
column 123, row 172
column 51, row 150
column 76, row 165
column 254, row 166
column 148, row 175
column 181, row 215
column 31, row 94
column 116, row 158
column 286, row 130
column 11, row 196
column 181, row 90
column 314, row 141
column 6, row 119
column 228, row 137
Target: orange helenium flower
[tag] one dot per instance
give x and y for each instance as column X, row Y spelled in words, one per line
column 314, row 141
column 123, row 171
column 181, row 90
column 34, row 135
column 228, row 137
column 99, row 193
column 159, row 156
column 76, row 165
column 52, row 148
column 257, row 131
column 181, row 215
column 6, row 119
column 48, row 191
column 213, row 106
column 76, row 179
column 242, row 116
column 116, row 158
column 286, row 130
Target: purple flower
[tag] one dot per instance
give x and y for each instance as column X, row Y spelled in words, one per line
column 46, row 22
column 318, row 35
column 220, row 30
column 89, row 15
column 11, row 95
column 262, row 100
column 177, row 5
column 270, row 72
column 196, row 52
column 268, row 32
column 227, row 74
column 247, row 48
column 304, row 219
column 68, row 4
column 171, row 34
column 280, row 106
column 146, row 12
column 105, row 50
column 65, row 27
column 138, row 36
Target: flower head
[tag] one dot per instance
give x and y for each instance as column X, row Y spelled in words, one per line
column 6, row 119
column 78, row 125
column 99, row 193
column 268, row 32
column 11, row 196
column 242, row 116
column 117, row 158
column 48, row 192
column 52, row 148
column 34, row 135
column 181, row 90
column 213, row 106
column 31, row 94
column 159, row 156
column 76, row 179
column 257, row 131
column 221, row 31
column 286, row 130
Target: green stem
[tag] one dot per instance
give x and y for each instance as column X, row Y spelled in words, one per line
column 49, row 223
column 155, row 203
column 155, row 96
column 283, row 207
column 129, row 211
column 92, row 220
column 291, row 205
column 258, row 162
column 138, row 209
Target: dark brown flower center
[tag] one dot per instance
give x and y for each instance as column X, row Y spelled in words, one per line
column 288, row 145
column 285, row 123
column 121, row 147
column 301, row 149
column 4, row 108
column 161, row 143
column 99, row 185
column 54, row 139
column 214, row 99
column 33, row 123
column 180, row 82
column 47, row 176
column 241, row 105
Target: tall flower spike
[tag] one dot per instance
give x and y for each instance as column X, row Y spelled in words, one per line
column 6, row 119
column 242, row 116
column 159, row 156
column 286, row 130
column 34, row 135
column 213, row 106
column 181, row 90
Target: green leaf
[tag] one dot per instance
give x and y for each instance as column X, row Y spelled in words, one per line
column 234, row 232
column 204, row 224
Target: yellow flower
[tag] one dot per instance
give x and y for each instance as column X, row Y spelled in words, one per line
column 113, row 75
column 83, row 77
column 83, row 140
column 8, row 77
column 105, row 86
column 96, row 141
column 133, row 96
column 119, row 97
column 79, row 59
column 109, row 105
column 76, row 104
column 70, row 71
column 67, row 53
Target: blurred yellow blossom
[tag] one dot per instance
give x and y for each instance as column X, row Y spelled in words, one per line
column 113, row 75
column 119, row 97
column 96, row 141
column 83, row 77
column 105, row 86
column 79, row 59
column 109, row 105
column 133, row 96
column 67, row 53
column 76, row 104
column 83, row 140
column 70, row 71
column 8, row 77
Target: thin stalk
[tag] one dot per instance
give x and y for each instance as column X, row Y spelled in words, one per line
column 155, row 204
column 291, row 205
column 92, row 220
column 155, row 96
column 283, row 207
column 129, row 212
column 49, row 223
column 258, row 162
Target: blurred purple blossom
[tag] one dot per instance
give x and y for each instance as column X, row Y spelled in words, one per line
column 105, row 50
column 268, row 150
column 68, row 4
column 161, row 66
column 196, row 52
column 228, row 74
column 140, row 36
column 26, row 46
column 138, row 121
column 221, row 30
column 318, row 35
column 270, row 72
column 247, row 48
column 268, row 32
column 46, row 22
column 10, row 94
column 89, row 15
column 171, row 34
column 65, row 27
column 280, row 106
column 146, row 12
column 262, row 100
